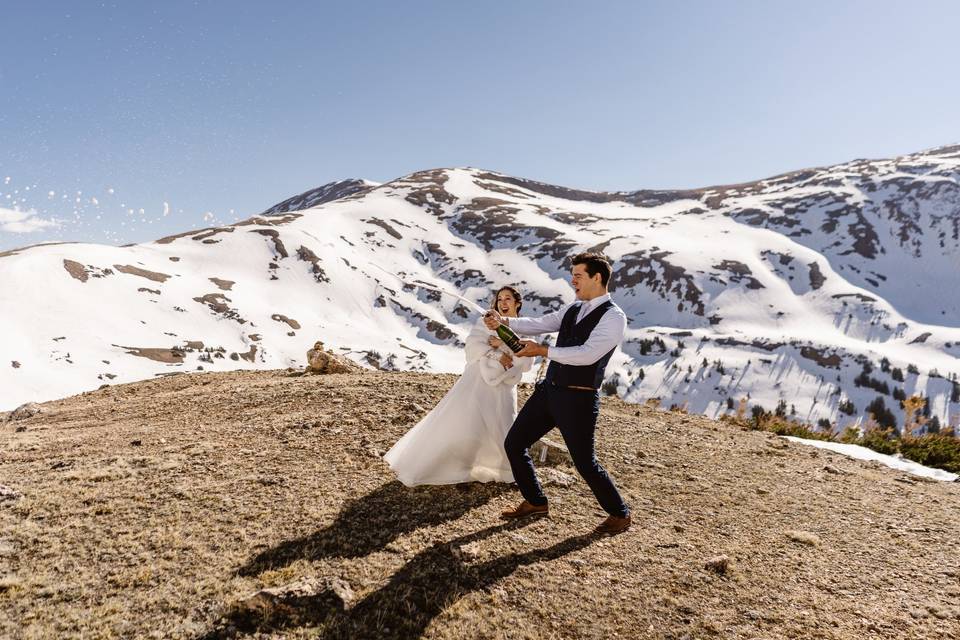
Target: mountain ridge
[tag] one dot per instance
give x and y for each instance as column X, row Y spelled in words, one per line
column 797, row 281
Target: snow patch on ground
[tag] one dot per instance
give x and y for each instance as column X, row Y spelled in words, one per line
column 863, row 453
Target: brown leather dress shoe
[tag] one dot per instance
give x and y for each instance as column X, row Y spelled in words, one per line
column 525, row 510
column 614, row 525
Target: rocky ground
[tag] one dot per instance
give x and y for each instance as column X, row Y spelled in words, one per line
column 159, row 509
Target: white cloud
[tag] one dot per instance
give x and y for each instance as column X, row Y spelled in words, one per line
column 14, row 221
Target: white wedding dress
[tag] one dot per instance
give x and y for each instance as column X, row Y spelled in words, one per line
column 461, row 439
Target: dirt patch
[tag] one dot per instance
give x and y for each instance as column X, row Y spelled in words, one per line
column 739, row 272
column 205, row 237
column 76, row 270
column 169, row 356
column 425, row 189
column 83, row 272
column 217, row 302
column 820, row 356
column 143, row 273
column 386, row 227
column 274, row 235
column 224, row 285
column 176, row 236
column 282, row 318
column 308, row 255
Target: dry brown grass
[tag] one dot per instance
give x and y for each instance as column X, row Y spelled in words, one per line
column 156, row 509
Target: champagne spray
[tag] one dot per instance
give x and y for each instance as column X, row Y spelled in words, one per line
column 505, row 333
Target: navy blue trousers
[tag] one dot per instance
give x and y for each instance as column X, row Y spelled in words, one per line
column 575, row 413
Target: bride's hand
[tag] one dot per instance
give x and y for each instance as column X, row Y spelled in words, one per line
column 495, row 342
column 506, row 361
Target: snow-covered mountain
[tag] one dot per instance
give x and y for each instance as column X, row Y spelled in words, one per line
column 821, row 289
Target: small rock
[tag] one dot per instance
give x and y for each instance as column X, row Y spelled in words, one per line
column 20, row 429
column 804, row 537
column 678, row 528
column 550, row 476
column 763, row 492
column 15, row 364
column 136, row 443
column 718, row 564
column 832, row 469
column 8, row 493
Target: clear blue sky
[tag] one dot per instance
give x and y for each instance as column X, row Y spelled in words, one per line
column 220, row 106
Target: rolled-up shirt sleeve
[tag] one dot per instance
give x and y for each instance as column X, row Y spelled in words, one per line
column 535, row 326
column 607, row 335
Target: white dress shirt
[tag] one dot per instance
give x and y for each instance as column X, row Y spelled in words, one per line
column 605, row 336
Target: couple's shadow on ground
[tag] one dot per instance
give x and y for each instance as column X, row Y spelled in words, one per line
column 432, row 580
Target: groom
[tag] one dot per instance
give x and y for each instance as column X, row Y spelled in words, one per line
column 569, row 395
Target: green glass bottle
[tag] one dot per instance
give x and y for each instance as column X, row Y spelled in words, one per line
column 509, row 338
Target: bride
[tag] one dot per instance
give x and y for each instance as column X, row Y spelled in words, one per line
column 461, row 439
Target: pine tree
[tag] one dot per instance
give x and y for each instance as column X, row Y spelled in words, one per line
column 883, row 416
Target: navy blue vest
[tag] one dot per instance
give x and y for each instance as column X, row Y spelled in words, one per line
column 573, row 334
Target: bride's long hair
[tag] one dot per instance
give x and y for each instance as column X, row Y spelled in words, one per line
column 516, row 297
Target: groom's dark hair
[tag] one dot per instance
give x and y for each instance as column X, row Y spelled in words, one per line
column 595, row 263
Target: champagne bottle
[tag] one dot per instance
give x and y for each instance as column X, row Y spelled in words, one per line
column 509, row 338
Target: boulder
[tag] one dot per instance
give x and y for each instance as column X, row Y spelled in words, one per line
column 550, row 476
column 25, row 411
column 322, row 361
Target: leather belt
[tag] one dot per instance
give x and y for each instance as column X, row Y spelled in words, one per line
column 569, row 386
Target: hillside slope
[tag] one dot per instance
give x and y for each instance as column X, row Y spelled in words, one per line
column 155, row 509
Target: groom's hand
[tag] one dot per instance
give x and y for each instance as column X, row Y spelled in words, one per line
column 531, row 349
column 492, row 319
